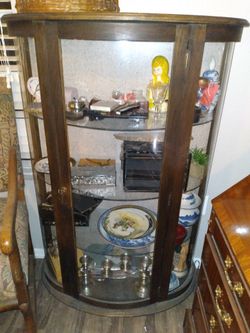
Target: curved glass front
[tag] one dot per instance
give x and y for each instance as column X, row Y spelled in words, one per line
column 118, row 169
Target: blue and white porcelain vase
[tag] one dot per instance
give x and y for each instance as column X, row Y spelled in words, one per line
column 188, row 217
column 190, row 200
column 189, row 212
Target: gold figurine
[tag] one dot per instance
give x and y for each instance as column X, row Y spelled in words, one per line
column 157, row 90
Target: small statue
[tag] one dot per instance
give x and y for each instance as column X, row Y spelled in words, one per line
column 157, row 90
column 209, row 89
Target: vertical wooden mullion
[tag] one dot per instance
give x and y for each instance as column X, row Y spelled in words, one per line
column 36, row 151
column 187, row 58
column 48, row 51
column 25, row 69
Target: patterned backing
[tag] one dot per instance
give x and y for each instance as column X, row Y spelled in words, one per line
column 7, row 288
column 8, row 132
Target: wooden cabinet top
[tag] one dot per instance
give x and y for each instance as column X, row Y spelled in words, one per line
column 126, row 26
column 232, row 208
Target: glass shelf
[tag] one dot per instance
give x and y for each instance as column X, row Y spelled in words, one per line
column 116, row 124
column 117, row 193
column 132, row 124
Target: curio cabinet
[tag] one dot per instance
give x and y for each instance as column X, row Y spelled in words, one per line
column 121, row 171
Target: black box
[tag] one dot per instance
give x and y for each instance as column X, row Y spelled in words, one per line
column 83, row 206
column 142, row 166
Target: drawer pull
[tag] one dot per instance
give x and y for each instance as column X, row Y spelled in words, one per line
column 224, row 315
column 234, row 286
column 228, row 262
column 212, row 323
column 239, row 289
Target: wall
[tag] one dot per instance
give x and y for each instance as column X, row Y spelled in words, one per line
column 231, row 159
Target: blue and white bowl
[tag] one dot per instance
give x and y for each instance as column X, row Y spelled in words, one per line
column 126, row 242
column 188, row 217
column 190, row 200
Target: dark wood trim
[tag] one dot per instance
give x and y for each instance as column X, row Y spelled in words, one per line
column 48, row 50
column 36, row 151
column 26, row 71
column 132, row 31
column 126, row 26
column 125, row 30
column 119, row 17
column 21, row 29
column 139, row 31
column 185, row 73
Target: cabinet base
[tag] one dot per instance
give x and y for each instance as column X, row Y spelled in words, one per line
column 130, row 309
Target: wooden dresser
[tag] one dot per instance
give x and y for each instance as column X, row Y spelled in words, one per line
column 222, row 298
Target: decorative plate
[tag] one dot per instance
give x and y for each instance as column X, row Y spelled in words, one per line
column 34, row 88
column 128, row 226
column 42, row 165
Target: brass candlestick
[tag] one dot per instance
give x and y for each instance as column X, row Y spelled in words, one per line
column 125, row 264
column 106, row 268
column 145, row 264
column 85, row 273
column 142, row 285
